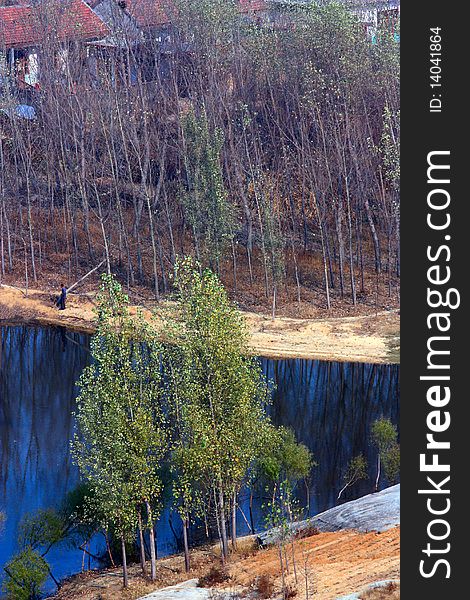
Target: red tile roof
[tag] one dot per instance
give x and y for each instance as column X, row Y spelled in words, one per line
column 24, row 25
column 247, row 6
column 150, row 13
column 154, row 13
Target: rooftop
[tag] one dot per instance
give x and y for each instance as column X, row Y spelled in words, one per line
column 150, row 13
column 24, row 25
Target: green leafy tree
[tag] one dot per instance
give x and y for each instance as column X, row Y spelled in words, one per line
column 205, row 202
column 26, row 574
column 121, row 435
column 384, row 439
column 42, row 529
column 357, row 470
column 284, row 459
column 221, row 395
column 77, row 529
column 391, row 463
column 186, row 464
column 283, row 512
column 281, row 460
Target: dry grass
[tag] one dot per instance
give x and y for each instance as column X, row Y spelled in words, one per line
column 107, row 584
column 264, row 586
column 217, row 574
column 338, row 563
column 57, row 265
column 389, row 592
column 361, row 338
column 246, row 547
column 304, row 329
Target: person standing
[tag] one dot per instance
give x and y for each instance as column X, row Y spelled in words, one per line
column 62, row 297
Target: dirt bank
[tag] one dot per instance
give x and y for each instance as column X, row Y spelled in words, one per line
column 336, row 563
column 366, row 338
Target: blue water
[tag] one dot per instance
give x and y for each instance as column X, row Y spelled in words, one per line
column 329, row 405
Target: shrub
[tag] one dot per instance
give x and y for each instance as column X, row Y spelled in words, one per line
column 391, row 591
column 290, row 592
column 391, row 462
column 217, row 574
column 247, row 547
column 306, row 532
column 26, row 574
column 265, row 586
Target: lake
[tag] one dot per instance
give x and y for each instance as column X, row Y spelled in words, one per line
column 329, row 405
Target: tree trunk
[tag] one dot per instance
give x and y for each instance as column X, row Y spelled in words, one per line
column 325, row 268
column 375, row 237
column 154, row 250
column 378, row 473
column 187, row 564
column 252, row 520
column 108, row 547
column 350, row 246
column 283, row 579
column 339, row 234
column 234, row 521
column 223, row 528
column 125, row 579
column 153, row 556
column 142, row 547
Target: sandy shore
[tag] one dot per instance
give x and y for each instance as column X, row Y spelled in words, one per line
column 370, row 338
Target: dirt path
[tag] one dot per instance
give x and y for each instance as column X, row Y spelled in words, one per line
column 367, row 338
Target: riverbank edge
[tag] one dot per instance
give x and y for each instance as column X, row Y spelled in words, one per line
column 371, row 338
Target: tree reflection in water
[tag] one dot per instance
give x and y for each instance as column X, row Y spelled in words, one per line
column 38, row 371
column 330, row 406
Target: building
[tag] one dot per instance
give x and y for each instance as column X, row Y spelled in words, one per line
column 30, row 31
column 125, row 37
column 376, row 14
column 140, row 38
column 373, row 13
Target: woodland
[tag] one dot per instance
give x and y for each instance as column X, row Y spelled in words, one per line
column 267, row 152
